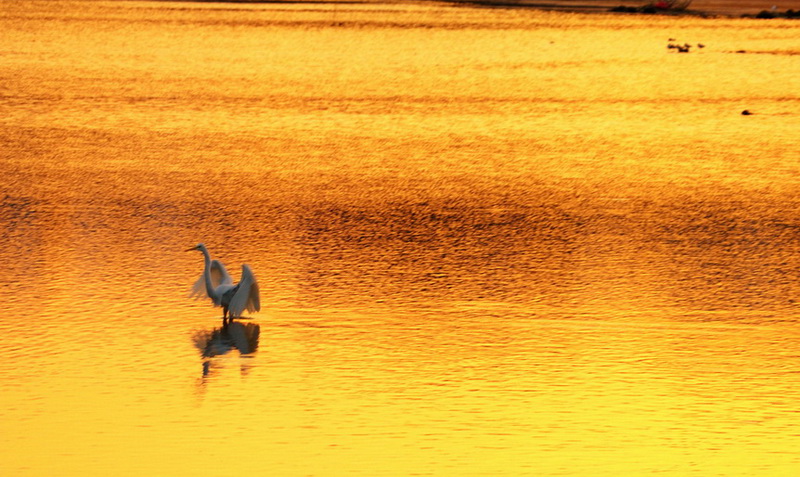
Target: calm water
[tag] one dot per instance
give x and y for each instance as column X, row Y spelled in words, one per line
column 489, row 242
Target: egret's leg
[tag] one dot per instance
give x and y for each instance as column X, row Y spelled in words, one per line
column 224, row 313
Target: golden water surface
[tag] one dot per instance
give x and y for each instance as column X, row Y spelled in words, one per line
column 488, row 242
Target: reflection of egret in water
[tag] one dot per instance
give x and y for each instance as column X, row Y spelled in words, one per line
column 242, row 337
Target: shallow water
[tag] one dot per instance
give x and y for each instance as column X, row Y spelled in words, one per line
column 488, row 242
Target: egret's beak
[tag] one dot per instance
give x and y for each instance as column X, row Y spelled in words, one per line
column 190, row 249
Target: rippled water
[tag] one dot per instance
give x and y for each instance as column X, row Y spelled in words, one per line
column 489, row 242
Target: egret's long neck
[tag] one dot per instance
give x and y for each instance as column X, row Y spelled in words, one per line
column 207, row 271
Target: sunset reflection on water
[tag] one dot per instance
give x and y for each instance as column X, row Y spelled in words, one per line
column 488, row 242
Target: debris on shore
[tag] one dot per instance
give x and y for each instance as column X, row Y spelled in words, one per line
column 774, row 13
column 656, row 6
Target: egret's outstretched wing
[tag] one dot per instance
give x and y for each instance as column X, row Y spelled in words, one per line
column 199, row 288
column 219, row 276
column 247, row 296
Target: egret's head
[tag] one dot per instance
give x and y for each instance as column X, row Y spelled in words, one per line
column 199, row 246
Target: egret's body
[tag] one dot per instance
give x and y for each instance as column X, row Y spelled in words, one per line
column 218, row 285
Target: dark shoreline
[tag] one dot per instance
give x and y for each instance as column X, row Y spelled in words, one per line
column 704, row 8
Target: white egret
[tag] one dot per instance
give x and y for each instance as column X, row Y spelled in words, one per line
column 218, row 285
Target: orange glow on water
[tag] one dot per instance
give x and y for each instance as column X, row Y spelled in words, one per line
column 489, row 242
